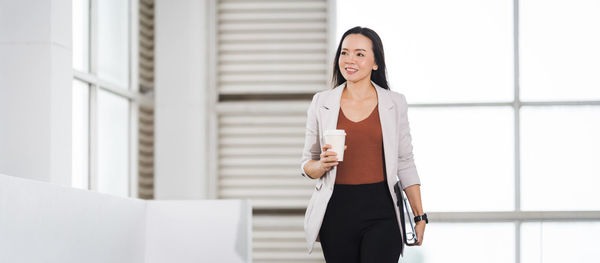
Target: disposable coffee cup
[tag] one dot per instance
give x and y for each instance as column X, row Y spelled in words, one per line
column 337, row 139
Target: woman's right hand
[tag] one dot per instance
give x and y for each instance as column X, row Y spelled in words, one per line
column 328, row 158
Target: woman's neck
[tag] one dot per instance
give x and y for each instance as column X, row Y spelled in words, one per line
column 359, row 90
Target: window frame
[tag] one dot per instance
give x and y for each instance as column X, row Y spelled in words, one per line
column 517, row 216
column 131, row 93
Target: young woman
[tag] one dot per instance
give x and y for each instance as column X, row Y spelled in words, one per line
column 352, row 211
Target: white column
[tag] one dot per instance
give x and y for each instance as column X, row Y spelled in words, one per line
column 35, row 89
column 180, row 101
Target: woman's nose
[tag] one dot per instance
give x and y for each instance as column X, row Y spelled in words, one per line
column 348, row 59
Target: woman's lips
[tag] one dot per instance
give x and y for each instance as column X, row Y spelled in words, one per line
column 351, row 71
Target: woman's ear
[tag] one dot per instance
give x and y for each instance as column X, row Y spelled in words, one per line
column 375, row 67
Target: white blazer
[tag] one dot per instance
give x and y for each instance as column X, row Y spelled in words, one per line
column 399, row 164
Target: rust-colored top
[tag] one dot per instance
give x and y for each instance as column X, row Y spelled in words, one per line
column 363, row 160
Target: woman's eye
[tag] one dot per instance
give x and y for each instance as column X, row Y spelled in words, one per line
column 360, row 55
column 343, row 53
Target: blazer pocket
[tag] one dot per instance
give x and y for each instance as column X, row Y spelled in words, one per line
column 319, row 184
column 309, row 208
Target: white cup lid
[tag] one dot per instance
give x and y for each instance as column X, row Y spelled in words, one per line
column 334, row 132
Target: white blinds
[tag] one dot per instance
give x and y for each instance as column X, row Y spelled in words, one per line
column 272, row 46
column 269, row 49
column 280, row 238
column 260, row 145
column 146, row 112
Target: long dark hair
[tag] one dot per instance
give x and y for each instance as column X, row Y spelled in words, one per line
column 378, row 76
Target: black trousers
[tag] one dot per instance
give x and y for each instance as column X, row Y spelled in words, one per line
column 360, row 225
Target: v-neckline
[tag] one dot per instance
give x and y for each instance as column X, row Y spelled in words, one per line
column 372, row 111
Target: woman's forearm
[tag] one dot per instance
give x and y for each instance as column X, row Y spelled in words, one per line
column 313, row 169
column 413, row 193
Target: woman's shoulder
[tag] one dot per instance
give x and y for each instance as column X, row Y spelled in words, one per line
column 317, row 95
column 323, row 94
column 317, row 99
column 397, row 97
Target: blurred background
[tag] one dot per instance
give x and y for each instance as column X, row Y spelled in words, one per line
column 207, row 99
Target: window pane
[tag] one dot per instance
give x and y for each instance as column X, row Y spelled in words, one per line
column 438, row 50
column 465, row 243
column 80, row 133
column 81, row 35
column 465, row 157
column 558, row 242
column 113, row 144
column 560, row 153
column 559, row 57
column 113, row 41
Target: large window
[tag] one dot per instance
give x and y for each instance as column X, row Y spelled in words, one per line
column 504, row 100
column 104, row 97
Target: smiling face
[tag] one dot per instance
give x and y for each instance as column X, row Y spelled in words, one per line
column 356, row 58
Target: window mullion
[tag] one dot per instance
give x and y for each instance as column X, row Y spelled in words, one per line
column 93, row 111
column 517, row 131
column 133, row 102
column 93, row 137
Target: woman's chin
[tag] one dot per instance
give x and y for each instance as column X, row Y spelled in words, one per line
column 352, row 78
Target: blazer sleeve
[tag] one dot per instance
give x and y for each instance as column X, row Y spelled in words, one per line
column 312, row 145
column 407, row 171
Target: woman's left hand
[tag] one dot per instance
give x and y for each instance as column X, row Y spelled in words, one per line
column 420, row 229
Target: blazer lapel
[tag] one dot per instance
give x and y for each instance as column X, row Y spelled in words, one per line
column 387, row 118
column 329, row 110
column 331, row 107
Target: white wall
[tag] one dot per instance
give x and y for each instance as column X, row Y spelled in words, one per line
column 180, row 107
column 35, row 94
column 35, row 89
column 199, row 231
column 43, row 222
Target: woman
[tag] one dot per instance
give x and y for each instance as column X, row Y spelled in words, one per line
column 352, row 211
